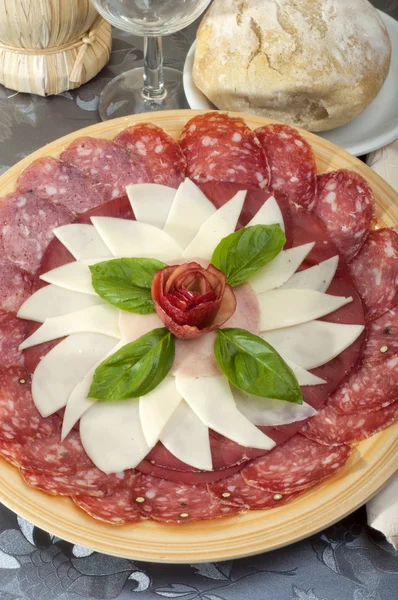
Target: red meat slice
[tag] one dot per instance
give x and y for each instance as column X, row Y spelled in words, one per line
column 346, row 206
column 120, row 208
column 382, row 341
column 53, row 180
column 375, row 272
column 106, row 164
column 297, row 465
column 372, row 387
column 292, row 163
column 34, row 354
column 12, row 334
column 156, row 150
column 19, row 419
column 29, row 227
column 218, row 147
column 170, row 502
column 235, row 491
column 16, row 286
column 332, row 428
column 90, row 482
column 189, row 477
column 55, row 255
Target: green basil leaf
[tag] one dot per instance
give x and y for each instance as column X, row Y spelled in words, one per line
column 243, row 253
column 253, row 366
column 136, row 369
column 126, row 282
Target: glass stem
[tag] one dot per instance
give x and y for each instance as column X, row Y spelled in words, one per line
column 153, row 69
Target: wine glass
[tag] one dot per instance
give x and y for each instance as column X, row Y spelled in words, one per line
column 152, row 87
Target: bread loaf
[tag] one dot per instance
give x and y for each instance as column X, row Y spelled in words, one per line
column 315, row 64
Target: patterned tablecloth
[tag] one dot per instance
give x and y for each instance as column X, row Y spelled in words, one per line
column 347, row 561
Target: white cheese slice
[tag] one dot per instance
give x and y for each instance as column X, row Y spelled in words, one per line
column 64, row 366
column 78, row 402
column 133, row 325
column 212, row 401
column 75, row 276
column 187, row 438
column 312, row 344
column 133, row 238
column 53, row 301
column 188, row 212
column 282, row 308
column 157, row 407
column 279, row 270
column 267, row 412
column 269, row 214
column 95, row 319
column 304, row 377
column 151, row 202
column 219, row 225
column 82, row 241
column 112, row 435
column 318, row 277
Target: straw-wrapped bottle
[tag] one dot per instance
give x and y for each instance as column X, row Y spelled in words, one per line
column 49, row 46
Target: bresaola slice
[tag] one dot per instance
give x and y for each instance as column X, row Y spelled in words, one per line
column 292, row 163
column 346, row 206
column 156, row 150
column 218, row 147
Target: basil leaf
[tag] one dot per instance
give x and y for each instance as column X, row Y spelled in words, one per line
column 136, row 369
column 243, row 253
column 126, row 282
column 253, row 366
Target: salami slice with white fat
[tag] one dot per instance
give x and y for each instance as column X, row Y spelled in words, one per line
column 218, row 147
column 28, row 224
column 19, row 419
column 106, row 164
column 156, row 150
column 382, row 341
column 91, row 482
column 346, row 206
column 292, row 163
column 172, row 502
column 49, row 455
column 236, row 492
column 16, row 286
column 372, row 387
column 298, row 464
column 375, row 272
column 334, row 429
column 12, row 333
column 54, row 180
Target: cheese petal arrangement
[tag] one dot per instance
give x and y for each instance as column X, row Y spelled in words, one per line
column 203, row 335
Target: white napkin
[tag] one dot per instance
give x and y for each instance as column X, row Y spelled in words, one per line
column 382, row 510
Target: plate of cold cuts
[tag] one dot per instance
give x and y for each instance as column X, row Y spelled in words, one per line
column 198, row 336
column 375, row 128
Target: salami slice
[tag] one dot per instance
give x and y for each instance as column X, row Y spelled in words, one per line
column 382, row 342
column 334, row 429
column 156, row 150
column 297, row 465
column 218, row 147
column 12, row 333
column 372, row 387
column 16, row 286
column 172, row 502
column 375, row 272
column 90, row 482
column 53, row 180
column 49, row 455
column 106, row 164
column 29, row 227
column 19, row 419
column 235, row 491
column 292, row 163
column 117, row 508
column 346, row 205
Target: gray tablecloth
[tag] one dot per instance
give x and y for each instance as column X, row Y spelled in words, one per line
column 348, row 561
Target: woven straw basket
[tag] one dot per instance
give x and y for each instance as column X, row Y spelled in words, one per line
column 49, row 46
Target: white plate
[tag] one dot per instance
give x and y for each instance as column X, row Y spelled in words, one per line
column 376, row 127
